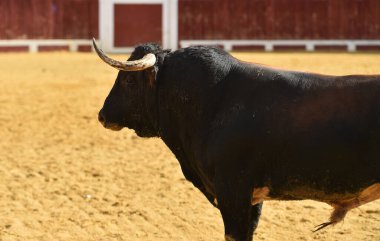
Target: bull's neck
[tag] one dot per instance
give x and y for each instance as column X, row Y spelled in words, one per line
column 179, row 123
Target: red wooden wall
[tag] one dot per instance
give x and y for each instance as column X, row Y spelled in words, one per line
column 48, row 19
column 279, row 19
column 148, row 25
column 204, row 19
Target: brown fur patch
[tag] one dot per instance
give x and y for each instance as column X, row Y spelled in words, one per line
column 259, row 195
column 152, row 76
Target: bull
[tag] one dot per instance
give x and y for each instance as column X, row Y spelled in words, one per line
column 244, row 133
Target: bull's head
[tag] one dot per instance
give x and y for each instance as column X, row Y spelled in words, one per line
column 132, row 100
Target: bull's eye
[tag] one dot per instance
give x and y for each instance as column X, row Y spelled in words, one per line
column 130, row 81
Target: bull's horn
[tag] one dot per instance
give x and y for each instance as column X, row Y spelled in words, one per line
column 147, row 61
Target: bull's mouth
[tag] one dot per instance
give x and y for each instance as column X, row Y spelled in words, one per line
column 112, row 126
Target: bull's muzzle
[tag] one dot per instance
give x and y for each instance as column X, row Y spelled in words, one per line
column 108, row 125
column 101, row 118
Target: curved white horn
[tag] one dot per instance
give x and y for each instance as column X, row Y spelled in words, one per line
column 136, row 65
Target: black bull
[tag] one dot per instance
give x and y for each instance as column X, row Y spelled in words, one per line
column 244, row 133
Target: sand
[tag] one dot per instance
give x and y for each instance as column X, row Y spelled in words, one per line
column 64, row 177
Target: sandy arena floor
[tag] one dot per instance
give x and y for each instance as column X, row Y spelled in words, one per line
column 64, row 177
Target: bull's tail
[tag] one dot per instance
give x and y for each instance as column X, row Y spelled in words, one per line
column 369, row 194
column 336, row 216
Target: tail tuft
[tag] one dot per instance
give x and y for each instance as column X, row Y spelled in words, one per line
column 336, row 216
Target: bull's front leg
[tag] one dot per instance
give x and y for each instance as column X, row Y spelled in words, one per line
column 234, row 196
column 209, row 196
column 255, row 215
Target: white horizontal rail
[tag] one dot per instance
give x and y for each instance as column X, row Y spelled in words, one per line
column 33, row 44
column 270, row 44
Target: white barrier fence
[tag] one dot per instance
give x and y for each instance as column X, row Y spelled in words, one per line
column 36, row 45
column 270, row 45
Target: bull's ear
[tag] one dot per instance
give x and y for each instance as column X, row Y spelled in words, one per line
column 152, row 75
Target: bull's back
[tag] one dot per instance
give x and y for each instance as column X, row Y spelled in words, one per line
column 331, row 138
column 306, row 132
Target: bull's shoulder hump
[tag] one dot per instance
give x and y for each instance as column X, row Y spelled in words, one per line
column 208, row 65
column 207, row 56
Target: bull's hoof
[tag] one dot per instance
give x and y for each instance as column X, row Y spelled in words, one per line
column 229, row 238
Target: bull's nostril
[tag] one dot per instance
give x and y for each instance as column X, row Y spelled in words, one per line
column 101, row 118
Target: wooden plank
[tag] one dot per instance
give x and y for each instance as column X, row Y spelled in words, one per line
column 48, row 19
column 14, row 49
column 279, row 19
column 204, row 19
column 137, row 23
